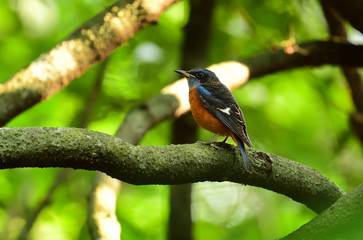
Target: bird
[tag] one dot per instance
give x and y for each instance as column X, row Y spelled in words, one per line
column 215, row 109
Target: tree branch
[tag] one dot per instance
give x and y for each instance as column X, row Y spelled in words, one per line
column 174, row 164
column 155, row 110
column 315, row 53
column 234, row 74
column 138, row 121
column 89, row 44
column 343, row 220
column 48, row 74
column 102, row 220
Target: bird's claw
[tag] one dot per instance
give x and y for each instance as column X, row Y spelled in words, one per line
column 209, row 143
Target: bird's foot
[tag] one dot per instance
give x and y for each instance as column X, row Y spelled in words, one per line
column 210, row 143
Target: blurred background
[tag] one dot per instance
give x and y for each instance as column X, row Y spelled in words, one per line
column 301, row 114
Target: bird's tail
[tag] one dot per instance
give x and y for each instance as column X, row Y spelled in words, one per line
column 242, row 148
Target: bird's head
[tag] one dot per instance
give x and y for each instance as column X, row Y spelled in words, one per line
column 198, row 76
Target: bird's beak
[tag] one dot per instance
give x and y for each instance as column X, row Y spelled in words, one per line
column 184, row 73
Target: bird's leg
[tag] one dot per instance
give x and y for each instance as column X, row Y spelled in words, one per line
column 210, row 142
column 224, row 141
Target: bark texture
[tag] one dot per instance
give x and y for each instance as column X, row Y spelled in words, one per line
column 343, row 220
column 87, row 45
column 174, row 164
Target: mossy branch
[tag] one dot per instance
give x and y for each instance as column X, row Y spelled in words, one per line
column 343, row 220
column 172, row 164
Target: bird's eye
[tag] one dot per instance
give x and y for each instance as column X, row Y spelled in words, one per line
column 200, row 74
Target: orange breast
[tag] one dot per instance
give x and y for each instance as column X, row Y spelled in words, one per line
column 204, row 118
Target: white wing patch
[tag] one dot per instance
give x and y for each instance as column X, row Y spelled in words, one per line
column 226, row 110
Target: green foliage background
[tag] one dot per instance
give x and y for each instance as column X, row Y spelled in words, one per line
column 301, row 114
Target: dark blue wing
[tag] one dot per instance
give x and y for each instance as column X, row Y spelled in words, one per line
column 220, row 103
